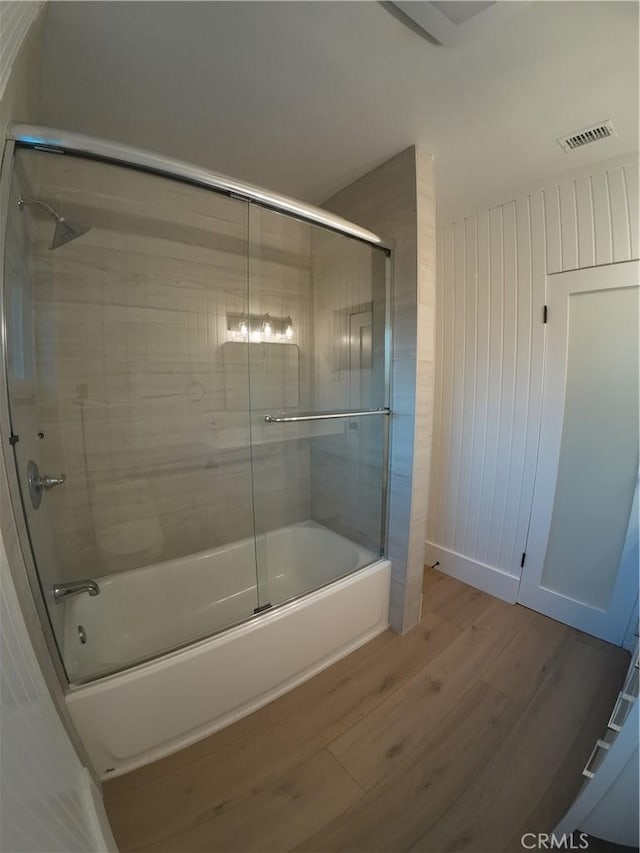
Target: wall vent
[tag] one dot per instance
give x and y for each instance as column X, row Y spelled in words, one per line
column 587, row 135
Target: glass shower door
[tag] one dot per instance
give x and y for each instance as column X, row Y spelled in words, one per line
column 317, row 346
column 129, row 395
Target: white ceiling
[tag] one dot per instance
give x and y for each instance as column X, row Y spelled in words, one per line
column 303, row 97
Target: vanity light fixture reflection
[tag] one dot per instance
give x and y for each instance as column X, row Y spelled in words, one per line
column 258, row 328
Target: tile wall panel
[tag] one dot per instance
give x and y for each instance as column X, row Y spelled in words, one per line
column 133, row 384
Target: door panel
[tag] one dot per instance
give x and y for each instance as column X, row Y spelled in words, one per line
column 124, row 375
column 588, row 464
column 316, row 331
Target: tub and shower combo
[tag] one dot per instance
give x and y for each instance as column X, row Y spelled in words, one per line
column 196, row 432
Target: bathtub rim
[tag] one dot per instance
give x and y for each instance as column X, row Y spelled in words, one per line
column 233, row 629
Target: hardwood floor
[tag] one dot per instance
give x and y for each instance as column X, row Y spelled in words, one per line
column 460, row 736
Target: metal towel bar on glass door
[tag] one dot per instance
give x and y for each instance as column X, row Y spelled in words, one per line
column 324, row 416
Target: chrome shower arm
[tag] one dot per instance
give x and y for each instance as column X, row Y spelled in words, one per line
column 50, row 210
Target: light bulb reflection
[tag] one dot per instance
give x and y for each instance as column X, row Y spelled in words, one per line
column 256, row 328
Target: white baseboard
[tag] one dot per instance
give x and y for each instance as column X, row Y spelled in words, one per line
column 487, row 578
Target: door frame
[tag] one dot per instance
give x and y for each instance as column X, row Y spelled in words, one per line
column 610, row 625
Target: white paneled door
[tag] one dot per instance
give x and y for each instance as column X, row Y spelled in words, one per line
column 581, row 562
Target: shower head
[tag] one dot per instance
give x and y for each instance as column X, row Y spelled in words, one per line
column 65, row 230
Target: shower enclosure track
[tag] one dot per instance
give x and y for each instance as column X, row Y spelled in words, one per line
column 58, row 142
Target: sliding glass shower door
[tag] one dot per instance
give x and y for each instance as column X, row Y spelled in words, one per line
column 197, row 402
column 317, row 352
column 129, row 406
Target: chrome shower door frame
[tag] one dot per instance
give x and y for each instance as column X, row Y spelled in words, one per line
column 27, row 137
column 35, row 592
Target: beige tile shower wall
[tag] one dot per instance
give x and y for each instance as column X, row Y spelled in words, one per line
column 396, row 201
column 133, row 381
column 346, row 465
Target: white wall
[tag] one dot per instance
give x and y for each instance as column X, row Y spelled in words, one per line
column 491, row 285
column 49, row 801
column 16, row 18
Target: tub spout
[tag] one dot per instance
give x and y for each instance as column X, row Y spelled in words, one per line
column 66, row 590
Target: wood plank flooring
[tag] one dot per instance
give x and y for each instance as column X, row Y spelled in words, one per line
column 460, row 736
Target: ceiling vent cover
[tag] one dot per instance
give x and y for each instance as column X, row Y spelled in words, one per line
column 587, row 135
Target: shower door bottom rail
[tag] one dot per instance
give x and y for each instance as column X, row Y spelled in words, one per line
column 323, row 416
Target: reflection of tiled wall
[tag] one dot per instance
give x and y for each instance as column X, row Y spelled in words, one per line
column 131, row 328
column 346, row 465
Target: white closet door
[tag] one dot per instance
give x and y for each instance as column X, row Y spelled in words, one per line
column 581, row 561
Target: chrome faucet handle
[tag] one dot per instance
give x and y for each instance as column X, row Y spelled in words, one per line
column 48, row 482
column 41, row 483
column 66, row 590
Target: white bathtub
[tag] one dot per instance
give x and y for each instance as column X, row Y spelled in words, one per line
column 140, row 714
column 143, row 612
